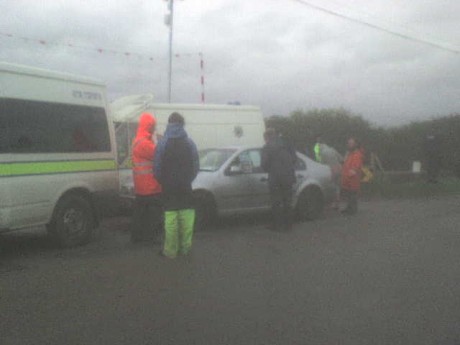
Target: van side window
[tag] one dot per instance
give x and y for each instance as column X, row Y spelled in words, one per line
column 43, row 127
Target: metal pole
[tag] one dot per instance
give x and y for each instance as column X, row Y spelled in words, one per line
column 202, row 77
column 171, row 21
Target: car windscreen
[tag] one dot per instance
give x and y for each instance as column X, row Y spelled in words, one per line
column 212, row 159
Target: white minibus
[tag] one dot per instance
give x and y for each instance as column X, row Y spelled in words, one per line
column 57, row 152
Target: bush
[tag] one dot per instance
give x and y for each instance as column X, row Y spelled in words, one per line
column 397, row 147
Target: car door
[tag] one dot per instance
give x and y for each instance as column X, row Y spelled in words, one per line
column 258, row 180
column 233, row 191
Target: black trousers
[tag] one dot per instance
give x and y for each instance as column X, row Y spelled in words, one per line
column 351, row 198
column 147, row 218
column 281, row 206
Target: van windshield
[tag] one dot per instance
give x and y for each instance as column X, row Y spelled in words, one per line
column 212, row 159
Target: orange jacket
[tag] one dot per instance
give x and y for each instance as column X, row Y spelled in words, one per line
column 351, row 170
column 143, row 151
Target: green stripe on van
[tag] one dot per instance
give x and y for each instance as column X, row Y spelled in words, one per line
column 42, row 168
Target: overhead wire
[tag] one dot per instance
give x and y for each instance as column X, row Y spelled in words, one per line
column 369, row 24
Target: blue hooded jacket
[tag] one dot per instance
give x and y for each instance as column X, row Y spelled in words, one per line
column 176, row 161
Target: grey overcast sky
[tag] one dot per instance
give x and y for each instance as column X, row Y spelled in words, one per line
column 278, row 54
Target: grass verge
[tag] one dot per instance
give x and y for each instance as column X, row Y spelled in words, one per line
column 381, row 188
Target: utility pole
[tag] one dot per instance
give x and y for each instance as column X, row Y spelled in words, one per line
column 171, row 21
column 202, row 77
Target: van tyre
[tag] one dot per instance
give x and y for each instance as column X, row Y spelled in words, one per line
column 205, row 211
column 73, row 222
column 310, row 205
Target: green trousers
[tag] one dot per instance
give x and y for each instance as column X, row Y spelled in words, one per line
column 178, row 232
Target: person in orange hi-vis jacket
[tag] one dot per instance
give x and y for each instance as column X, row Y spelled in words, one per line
column 148, row 209
column 351, row 176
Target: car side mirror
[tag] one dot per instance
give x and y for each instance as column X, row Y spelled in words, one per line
column 246, row 167
column 235, row 169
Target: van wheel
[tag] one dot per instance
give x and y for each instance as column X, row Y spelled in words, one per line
column 205, row 211
column 73, row 222
column 310, row 205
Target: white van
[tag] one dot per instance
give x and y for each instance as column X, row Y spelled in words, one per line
column 209, row 125
column 57, row 152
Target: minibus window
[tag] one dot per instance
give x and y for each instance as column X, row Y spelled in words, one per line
column 43, row 127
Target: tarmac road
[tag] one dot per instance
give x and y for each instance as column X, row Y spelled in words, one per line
column 390, row 275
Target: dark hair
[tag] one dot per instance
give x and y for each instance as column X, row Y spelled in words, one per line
column 270, row 134
column 176, row 118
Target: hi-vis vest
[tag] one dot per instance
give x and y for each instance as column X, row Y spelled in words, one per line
column 144, row 181
column 317, row 150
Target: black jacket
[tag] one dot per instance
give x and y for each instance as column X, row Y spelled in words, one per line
column 279, row 159
column 176, row 165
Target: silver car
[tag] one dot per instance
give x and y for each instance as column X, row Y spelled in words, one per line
column 231, row 181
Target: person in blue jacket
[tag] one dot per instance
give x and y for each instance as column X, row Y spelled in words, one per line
column 176, row 165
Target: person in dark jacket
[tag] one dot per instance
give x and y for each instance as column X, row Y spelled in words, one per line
column 176, row 165
column 278, row 159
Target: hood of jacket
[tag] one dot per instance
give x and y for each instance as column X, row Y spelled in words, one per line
column 146, row 126
column 175, row 130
